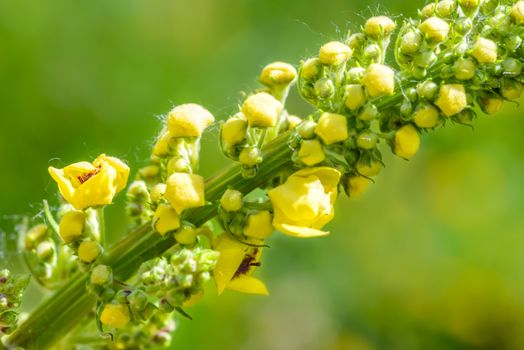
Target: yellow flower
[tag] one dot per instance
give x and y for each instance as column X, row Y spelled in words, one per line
column 484, row 51
column 235, row 266
column 356, row 185
column 435, row 29
column 310, row 69
column 517, row 12
column 71, row 225
column 426, row 116
column 188, row 120
column 185, row 191
column 355, row 96
column 406, row 142
column 451, row 99
column 332, row 128
column 86, row 184
column 161, row 148
column 491, row 104
column 334, row 53
column 262, row 110
column 115, row 315
column 259, row 225
column 234, row 131
column 278, row 73
column 378, row 26
column 165, row 219
column 304, row 203
column 88, row 251
column 379, row 80
column 231, row 200
column 311, row 152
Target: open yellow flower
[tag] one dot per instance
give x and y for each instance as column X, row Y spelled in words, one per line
column 235, row 266
column 304, row 203
column 85, row 184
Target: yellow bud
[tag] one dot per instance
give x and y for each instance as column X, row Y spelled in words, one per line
column 406, row 142
column 186, row 235
column 100, row 275
column 278, row 73
column 379, row 80
column 332, row 128
column 435, row 29
column 451, row 99
column 262, row 110
column 465, row 69
column 231, row 200
column 250, row 156
column 356, row 185
column 115, row 315
column 149, row 173
column 410, row 42
column 34, row 235
column 188, row 120
column 178, row 165
column 428, row 10
column 259, row 225
column 45, row 250
column 517, row 12
column 310, row 69
column 161, row 148
column 369, row 170
column 379, row 26
column 334, row 53
column 311, row 152
column 72, row 225
column 426, row 117
column 88, row 251
column 491, row 104
column 157, row 192
column 293, row 121
column 185, row 191
column 355, row 96
column 484, row 51
column 165, row 219
column 234, row 131
column 445, row 8
column 512, row 89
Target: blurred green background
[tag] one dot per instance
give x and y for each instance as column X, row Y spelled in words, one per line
column 429, row 258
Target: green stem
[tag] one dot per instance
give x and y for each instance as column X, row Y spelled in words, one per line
column 59, row 314
column 101, row 225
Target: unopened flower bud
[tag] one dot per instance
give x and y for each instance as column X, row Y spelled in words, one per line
column 186, row 235
column 356, row 41
column 355, row 75
column 185, row 191
column 367, row 140
column 463, row 25
column 165, row 219
column 428, row 10
column 101, row 274
column 293, row 121
column 355, row 96
column 425, row 59
column 311, row 152
column 406, row 141
column 138, row 299
column 231, row 200
column 157, row 192
column 426, row 116
column 435, row 29
column 88, row 251
column 306, row 130
column 427, row 90
column 356, row 185
column 262, row 110
column 512, row 42
column 511, row 66
column 369, row 112
column 410, row 43
column 369, row 169
column 250, row 156
column 469, row 5
column 188, row 120
column 72, row 225
column 445, row 8
column 334, row 53
column 451, row 99
column 278, row 73
column 149, row 174
column 379, row 80
column 310, row 69
column 371, row 52
column 45, row 250
column 161, row 148
column 484, row 50
column 258, row 225
column 324, row 88
column 332, row 128
column 517, row 12
column 178, row 165
column 465, row 69
column 137, row 192
column 465, row 117
column 512, row 89
column 380, row 26
column 115, row 315
column 35, row 235
column 406, row 108
column 490, row 104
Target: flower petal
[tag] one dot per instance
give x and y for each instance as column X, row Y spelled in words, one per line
column 249, row 285
column 299, row 231
column 226, row 267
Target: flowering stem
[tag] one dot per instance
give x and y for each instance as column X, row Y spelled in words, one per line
column 70, row 304
column 101, row 225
